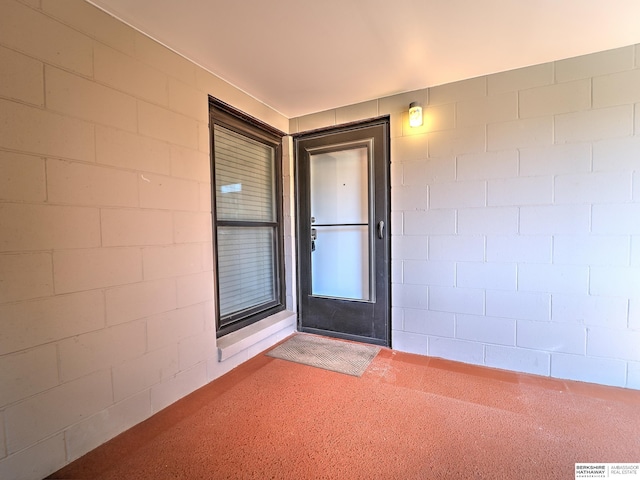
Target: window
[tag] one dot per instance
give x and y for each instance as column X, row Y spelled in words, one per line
column 247, row 216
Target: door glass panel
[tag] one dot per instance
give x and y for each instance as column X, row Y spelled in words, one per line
column 339, row 197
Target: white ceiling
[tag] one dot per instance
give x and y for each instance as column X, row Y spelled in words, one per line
column 304, row 56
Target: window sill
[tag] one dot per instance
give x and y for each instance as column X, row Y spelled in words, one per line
column 249, row 336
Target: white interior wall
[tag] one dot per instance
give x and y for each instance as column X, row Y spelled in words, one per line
column 106, row 311
column 516, row 218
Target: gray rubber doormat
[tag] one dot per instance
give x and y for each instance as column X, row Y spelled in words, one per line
column 327, row 353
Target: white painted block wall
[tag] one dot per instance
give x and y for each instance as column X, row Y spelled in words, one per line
column 106, row 258
column 516, row 218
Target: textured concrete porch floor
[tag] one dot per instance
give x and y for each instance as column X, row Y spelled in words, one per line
column 407, row 417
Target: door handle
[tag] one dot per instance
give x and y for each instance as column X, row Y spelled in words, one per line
column 380, row 229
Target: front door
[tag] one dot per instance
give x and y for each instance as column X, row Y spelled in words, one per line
column 343, row 232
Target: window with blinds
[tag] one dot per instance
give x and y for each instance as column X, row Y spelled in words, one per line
column 245, row 166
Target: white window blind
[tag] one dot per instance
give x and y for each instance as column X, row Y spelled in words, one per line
column 246, row 216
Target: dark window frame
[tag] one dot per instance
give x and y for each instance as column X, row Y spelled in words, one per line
column 224, row 115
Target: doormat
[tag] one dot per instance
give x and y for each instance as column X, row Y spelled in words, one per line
column 329, row 354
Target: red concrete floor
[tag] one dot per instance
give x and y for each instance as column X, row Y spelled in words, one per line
column 407, row 417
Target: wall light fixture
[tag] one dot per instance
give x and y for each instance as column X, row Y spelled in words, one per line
column 415, row 114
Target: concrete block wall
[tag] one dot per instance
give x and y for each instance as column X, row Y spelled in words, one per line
column 106, row 284
column 516, row 218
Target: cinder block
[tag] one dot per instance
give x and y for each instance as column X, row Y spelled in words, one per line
column 459, row 350
column 122, row 227
column 431, row 222
column 457, row 195
column 487, row 221
column 3, row 446
column 191, row 227
column 358, row 111
column 529, row 132
column 33, row 323
column 170, row 261
column 51, row 455
column 589, row 369
column 555, row 159
column 481, row 329
column 312, row 121
column 456, row 91
column 519, row 305
column 397, row 223
column 185, row 382
column 27, row 373
column 32, row 130
column 482, row 166
column 139, row 374
column 422, row 272
column 22, row 78
column 495, row 276
column 188, row 100
column 86, row 269
column 407, row 149
column 483, row 110
column 190, row 164
column 82, row 184
column 595, row 187
column 409, row 296
column 457, row 248
column 48, row 40
column 97, row 429
column 636, row 186
column 619, row 344
column 615, row 281
column 520, row 79
column 22, row 178
column 518, row 359
column 555, row 220
column 616, row 219
column 168, row 193
column 635, row 251
column 77, row 97
column 617, row 154
column 128, row 75
column 100, row 350
column 519, row 248
column 429, row 172
column 139, row 300
column 47, row 413
column 44, row 227
column 592, row 125
column 595, row 64
column 636, row 115
column 163, row 124
column 633, row 375
column 25, row 276
column 161, row 58
column 457, row 141
column 573, row 279
column 400, row 103
column 426, row 322
column 132, row 151
column 520, row 191
column 170, row 327
column 197, row 349
column 551, row 337
column 196, row 288
column 554, row 99
column 409, row 342
column 93, row 22
column 204, row 197
column 591, row 250
column 616, row 89
column 410, row 247
column 409, row 197
column 456, row 300
column 437, row 117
